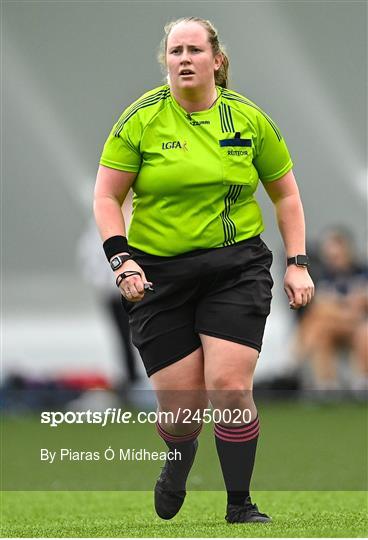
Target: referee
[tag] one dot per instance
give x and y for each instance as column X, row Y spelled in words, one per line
column 195, row 276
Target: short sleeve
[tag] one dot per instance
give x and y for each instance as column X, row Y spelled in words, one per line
column 122, row 147
column 272, row 158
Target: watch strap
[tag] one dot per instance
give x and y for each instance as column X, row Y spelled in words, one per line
column 298, row 260
column 118, row 261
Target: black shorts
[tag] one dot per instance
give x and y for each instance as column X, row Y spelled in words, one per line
column 223, row 292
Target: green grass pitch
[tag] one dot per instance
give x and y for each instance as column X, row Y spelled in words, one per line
column 131, row 514
column 303, row 448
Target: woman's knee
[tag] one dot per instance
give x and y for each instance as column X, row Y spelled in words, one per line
column 229, row 370
column 232, row 399
column 222, row 382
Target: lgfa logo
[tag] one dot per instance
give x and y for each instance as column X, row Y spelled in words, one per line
column 172, row 145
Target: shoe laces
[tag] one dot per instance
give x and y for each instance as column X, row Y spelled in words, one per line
column 166, row 475
column 248, row 509
column 165, row 470
column 250, row 506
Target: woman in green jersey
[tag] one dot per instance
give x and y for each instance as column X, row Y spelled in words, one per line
column 193, row 152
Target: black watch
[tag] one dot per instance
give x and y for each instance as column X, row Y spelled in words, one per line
column 118, row 261
column 299, row 260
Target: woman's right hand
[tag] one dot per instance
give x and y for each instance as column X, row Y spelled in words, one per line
column 132, row 287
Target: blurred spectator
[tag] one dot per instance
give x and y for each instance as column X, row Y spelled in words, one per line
column 99, row 274
column 337, row 319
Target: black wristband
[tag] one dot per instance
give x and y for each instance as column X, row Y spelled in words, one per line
column 115, row 245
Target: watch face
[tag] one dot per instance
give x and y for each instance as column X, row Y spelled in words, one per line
column 115, row 263
column 302, row 260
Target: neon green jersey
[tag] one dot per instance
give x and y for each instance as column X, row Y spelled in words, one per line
column 197, row 173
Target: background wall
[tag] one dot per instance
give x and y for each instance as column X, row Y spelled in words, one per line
column 70, row 68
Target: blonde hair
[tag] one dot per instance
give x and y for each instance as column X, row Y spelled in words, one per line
column 222, row 74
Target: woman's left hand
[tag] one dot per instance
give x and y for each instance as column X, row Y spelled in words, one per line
column 298, row 286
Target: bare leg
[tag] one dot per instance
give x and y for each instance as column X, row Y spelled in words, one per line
column 229, row 369
column 327, row 326
column 178, row 386
column 181, row 386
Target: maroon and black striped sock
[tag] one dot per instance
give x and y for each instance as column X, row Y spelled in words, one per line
column 172, row 440
column 185, row 445
column 236, row 449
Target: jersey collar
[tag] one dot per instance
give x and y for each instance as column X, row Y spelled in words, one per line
column 198, row 113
